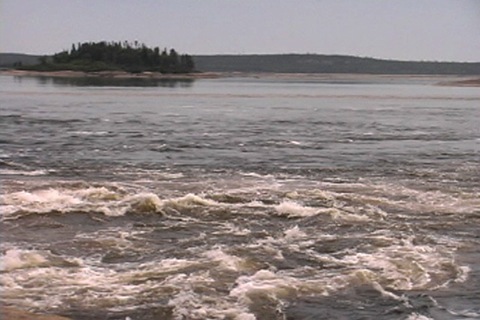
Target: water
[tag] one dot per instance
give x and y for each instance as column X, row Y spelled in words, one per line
column 266, row 198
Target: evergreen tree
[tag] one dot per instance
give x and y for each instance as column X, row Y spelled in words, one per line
column 136, row 57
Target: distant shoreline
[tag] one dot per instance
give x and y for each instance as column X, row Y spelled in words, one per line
column 265, row 63
column 441, row 80
column 109, row 74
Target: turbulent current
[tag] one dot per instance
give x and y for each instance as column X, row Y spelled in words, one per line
column 240, row 198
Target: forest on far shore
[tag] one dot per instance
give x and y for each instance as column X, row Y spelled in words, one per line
column 114, row 56
column 329, row 64
column 133, row 57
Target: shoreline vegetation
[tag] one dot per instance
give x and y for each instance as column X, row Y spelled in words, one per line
column 114, row 57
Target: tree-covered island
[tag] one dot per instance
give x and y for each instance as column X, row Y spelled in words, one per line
column 115, row 56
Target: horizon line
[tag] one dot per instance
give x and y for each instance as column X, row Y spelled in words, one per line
column 289, row 53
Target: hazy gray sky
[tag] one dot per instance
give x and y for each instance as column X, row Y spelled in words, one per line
column 443, row 30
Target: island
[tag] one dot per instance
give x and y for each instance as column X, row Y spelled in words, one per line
column 114, row 57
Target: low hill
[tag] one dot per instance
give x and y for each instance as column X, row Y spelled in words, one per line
column 315, row 63
column 9, row 60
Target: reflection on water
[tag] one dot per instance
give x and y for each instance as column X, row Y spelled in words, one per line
column 113, row 82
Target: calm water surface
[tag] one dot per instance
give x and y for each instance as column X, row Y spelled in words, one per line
column 240, row 198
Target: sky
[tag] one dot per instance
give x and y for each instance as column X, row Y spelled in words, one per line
column 429, row 30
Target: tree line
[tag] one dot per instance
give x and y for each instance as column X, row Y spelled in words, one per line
column 317, row 63
column 132, row 57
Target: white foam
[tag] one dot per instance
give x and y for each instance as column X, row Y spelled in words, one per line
column 191, row 200
column 194, row 293
column 96, row 194
column 294, row 142
column 294, row 234
column 245, row 316
column 17, row 259
column 236, row 230
column 406, row 266
column 416, row 316
column 92, row 199
column 141, row 203
column 462, row 274
column 225, row 260
column 264, row 282
column 256, row 175
column 187, row 303
column 293, row 209
column 386, row 263
column 396, row 264
column 469, row 314
column 267, row 247
column 347, row 217
column 165, row 266
column 90, row 133
column 24, row 172
column 414, row 200
column 38, row 201
column 170, row 175
column 115, row 289
column 116, row 239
